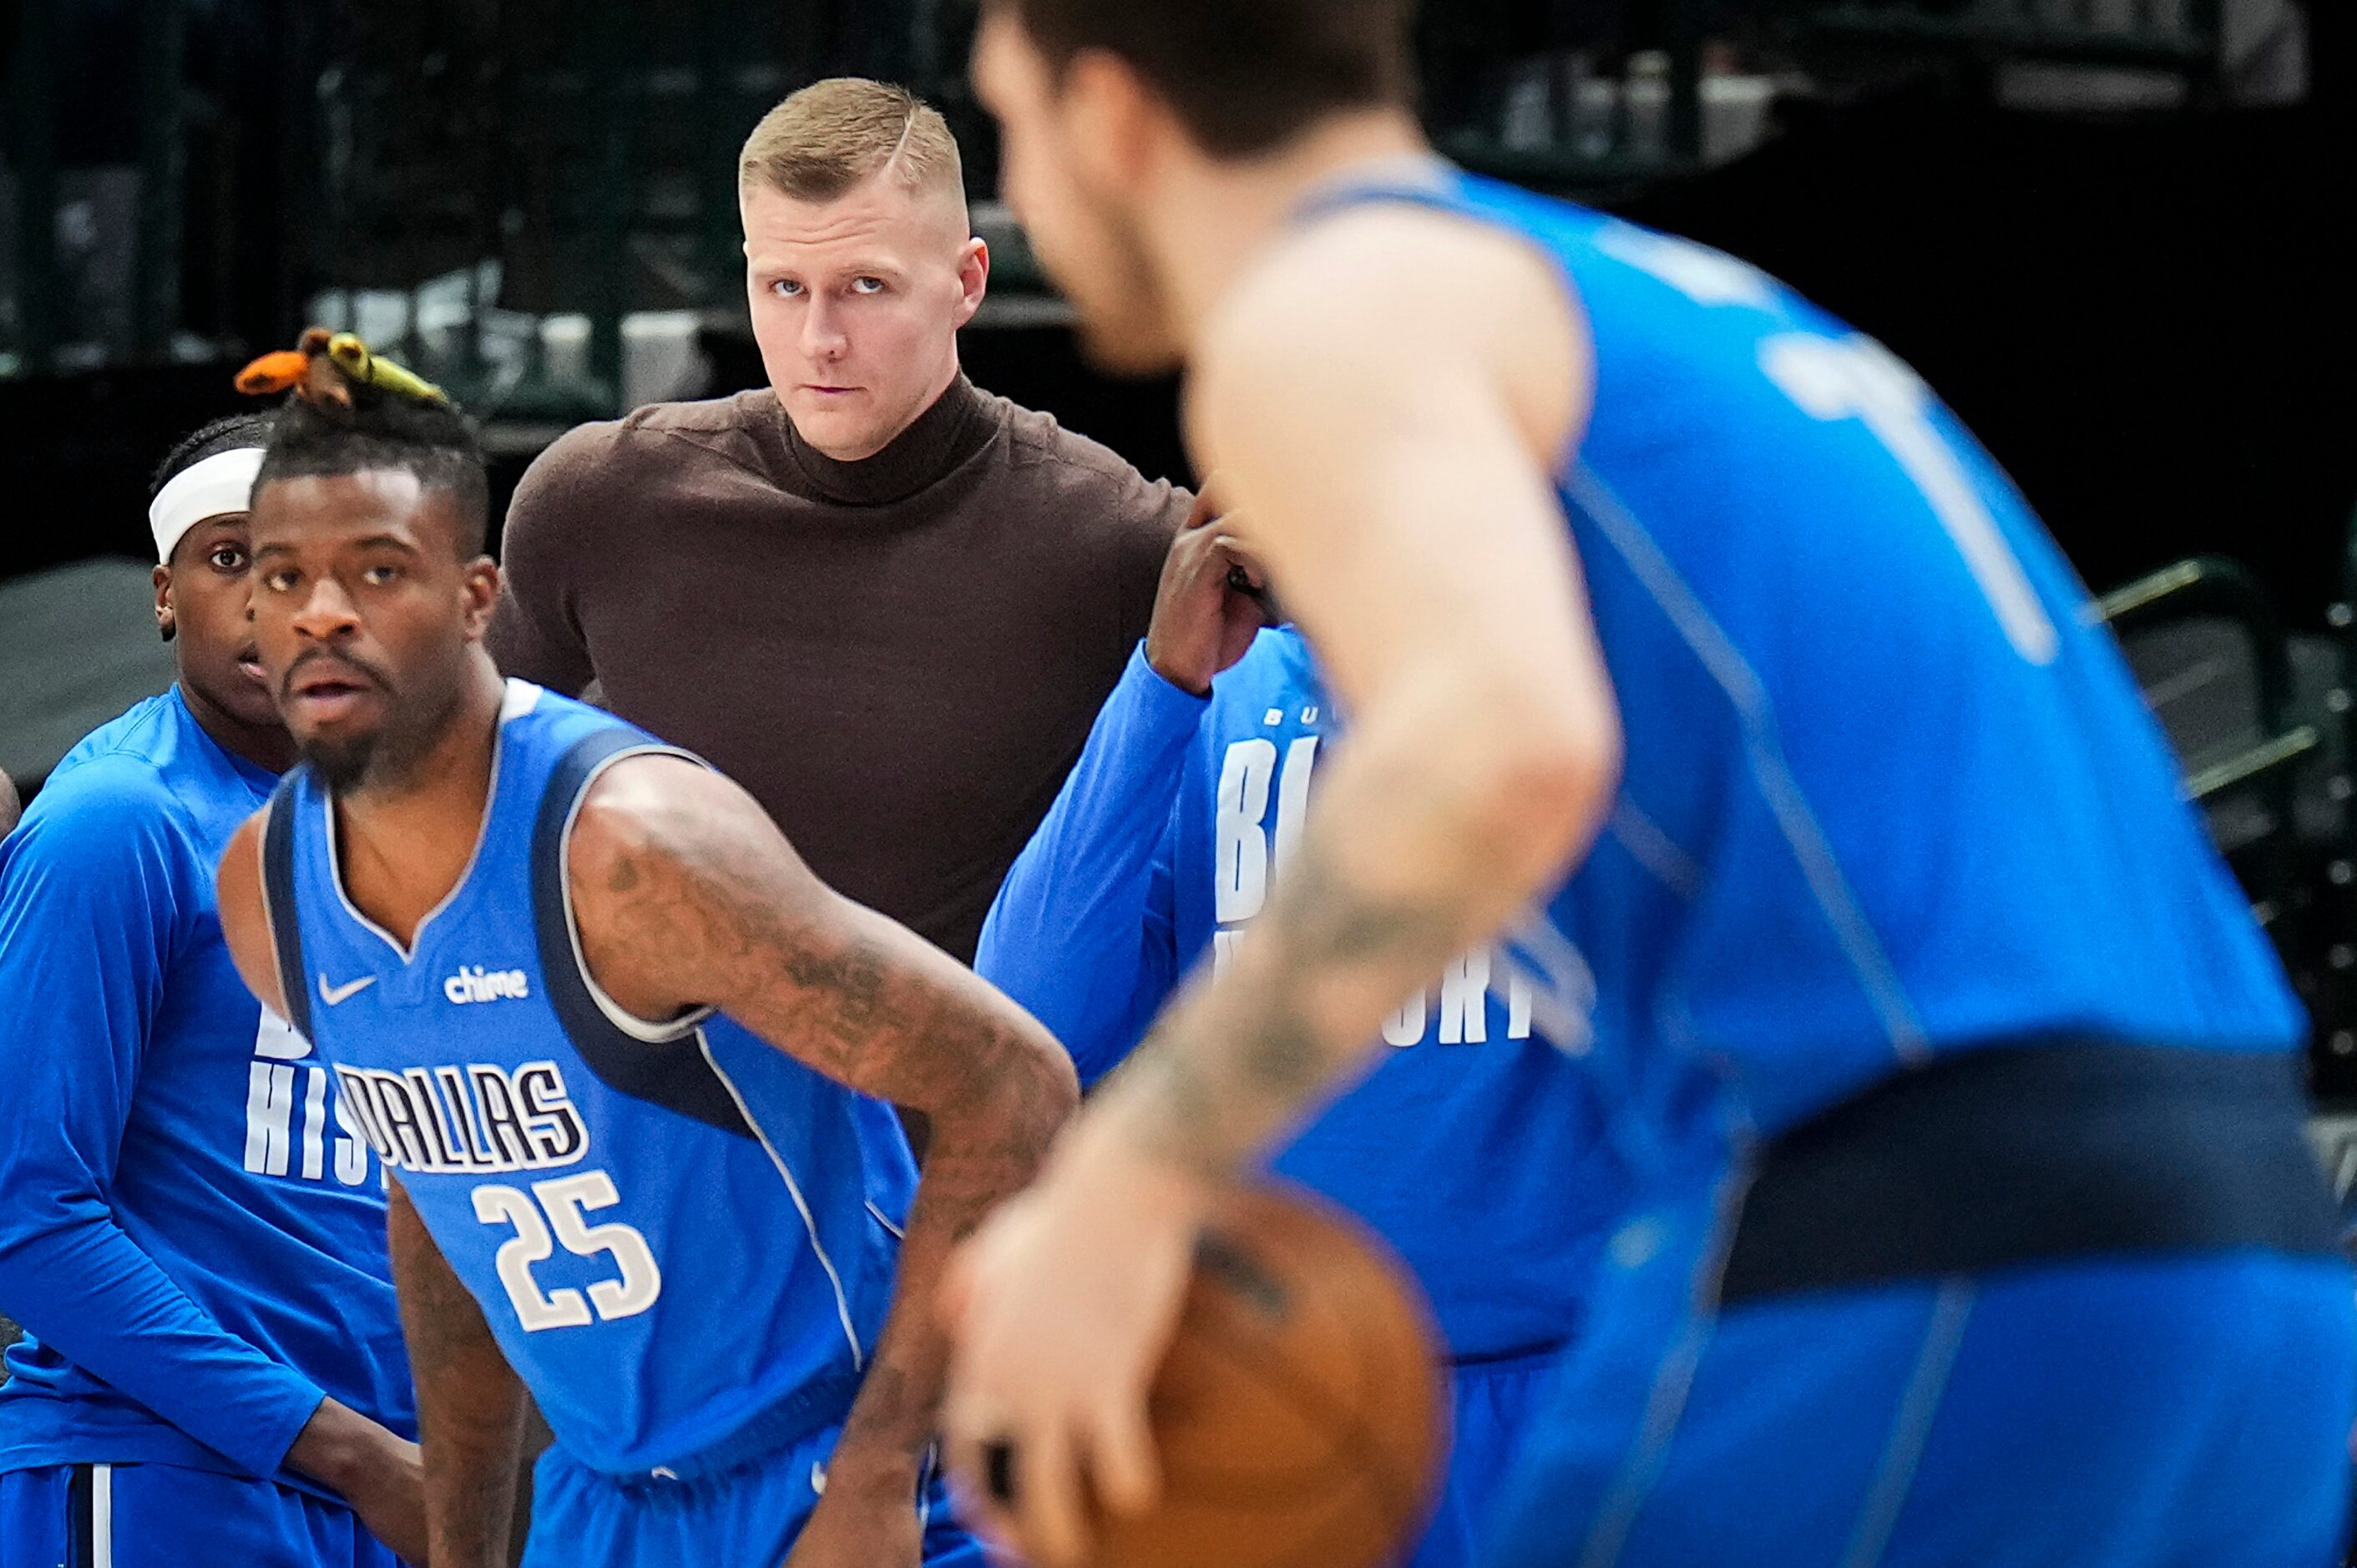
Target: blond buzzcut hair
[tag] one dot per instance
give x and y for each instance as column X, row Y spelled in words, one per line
column 838, row 133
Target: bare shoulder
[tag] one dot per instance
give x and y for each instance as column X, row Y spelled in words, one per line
column 681, row 886
column 245, row 914
column 1398, row 305
column 662, row 819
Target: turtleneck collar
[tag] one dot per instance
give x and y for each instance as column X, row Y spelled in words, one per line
column 939, row 439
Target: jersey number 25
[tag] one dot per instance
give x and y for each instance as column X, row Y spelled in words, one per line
column 566, row 1200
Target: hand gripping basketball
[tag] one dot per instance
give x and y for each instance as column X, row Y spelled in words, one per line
column 1297, row 1416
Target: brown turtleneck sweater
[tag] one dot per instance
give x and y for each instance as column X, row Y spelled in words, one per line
column 899, row 657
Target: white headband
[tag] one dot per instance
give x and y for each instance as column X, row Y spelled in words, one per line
column 223, row 482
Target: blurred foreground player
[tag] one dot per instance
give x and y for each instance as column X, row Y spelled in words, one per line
column 193, row 1232
column 509, row 920
column 1473, row 1147
column 1679, row 628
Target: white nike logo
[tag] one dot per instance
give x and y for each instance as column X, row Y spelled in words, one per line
column 334, row 995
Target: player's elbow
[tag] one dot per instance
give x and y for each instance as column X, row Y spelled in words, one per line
column 1025, row 1095
column 1552, row 766
column 1049, row 1089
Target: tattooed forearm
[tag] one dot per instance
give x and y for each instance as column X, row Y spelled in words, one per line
column 686, row 895
column 1228, row 1065
column 981, row 1154
column 469, row 1401
column 1400, row 869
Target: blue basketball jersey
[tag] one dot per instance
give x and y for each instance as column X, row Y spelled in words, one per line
column 682, row 1238
column 1889, row 790
column 1474, row 1146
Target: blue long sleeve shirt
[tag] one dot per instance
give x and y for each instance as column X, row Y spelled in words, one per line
column 191, row 1232
column 1474, row 1147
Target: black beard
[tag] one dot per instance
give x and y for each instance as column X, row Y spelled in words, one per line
column 342, row 764
column 390, row 757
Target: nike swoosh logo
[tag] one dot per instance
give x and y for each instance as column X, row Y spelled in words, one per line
column 334, row 995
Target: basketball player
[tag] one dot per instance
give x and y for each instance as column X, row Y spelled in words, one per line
column 192, row 1233
column 1473, row 1148
column 1679, row 630
column 11, row 806
column 550, row 958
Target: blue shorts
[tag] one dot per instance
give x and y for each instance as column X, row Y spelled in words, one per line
column 1493, row 1407
column 161, row 1516
column 742, row 1518
column 2192, row 1409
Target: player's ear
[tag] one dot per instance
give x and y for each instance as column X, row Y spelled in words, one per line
column 1112, row 119
column 479, row 585
column 973, row 277
column 166, row 621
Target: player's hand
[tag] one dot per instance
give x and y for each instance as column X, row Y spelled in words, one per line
column 862, row 1523
column 1060, row 1309
column 1203, row 620
column 378, row 1472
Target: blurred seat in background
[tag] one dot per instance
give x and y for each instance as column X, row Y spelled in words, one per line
column 79, row 647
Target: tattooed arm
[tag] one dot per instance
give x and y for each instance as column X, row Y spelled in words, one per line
column 469, row 1401
column 688, row 895
column 1395, row 463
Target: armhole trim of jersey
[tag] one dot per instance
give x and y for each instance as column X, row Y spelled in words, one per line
column 280, row 912
column 630, row 1023
column 611, row 1041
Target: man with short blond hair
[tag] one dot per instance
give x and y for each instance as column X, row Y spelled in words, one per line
column 828, row 137
column 885, row 601
column 859, row 152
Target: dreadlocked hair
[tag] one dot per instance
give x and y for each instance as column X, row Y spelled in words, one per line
column 433, row 441
column 237, row 433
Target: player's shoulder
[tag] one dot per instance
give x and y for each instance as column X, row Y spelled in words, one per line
column 1102, row 489
column 112, row 820
column 1383, row 312
column 241, row 856
column 114, row 781
column 1037, row 440
column 644, row 453
column 242, row 899
column 740, row 414
column 654, row 812
column 1385, row 282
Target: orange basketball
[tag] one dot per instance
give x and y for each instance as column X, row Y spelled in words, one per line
column 1300, row 1415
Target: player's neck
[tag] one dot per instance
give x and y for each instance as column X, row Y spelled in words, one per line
column 267, row 746
column 405, row 839
column 1216, row 217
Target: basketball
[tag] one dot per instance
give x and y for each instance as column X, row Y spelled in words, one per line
column 1300, row 1414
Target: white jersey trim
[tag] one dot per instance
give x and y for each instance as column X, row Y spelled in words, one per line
column 521, row 698
column 102, row 1516
column 802, row 1205
column 630, row 1023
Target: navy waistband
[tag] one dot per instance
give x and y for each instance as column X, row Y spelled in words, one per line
column 2037, row 1152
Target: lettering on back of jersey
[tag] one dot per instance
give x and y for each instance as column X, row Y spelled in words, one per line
column 1258, row 782
column 469, row 1119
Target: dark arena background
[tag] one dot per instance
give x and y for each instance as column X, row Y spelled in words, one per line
column 2115, row 235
